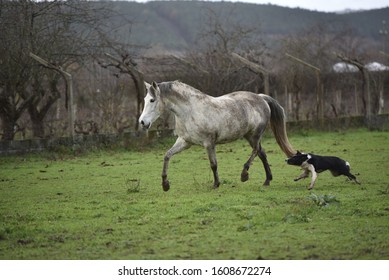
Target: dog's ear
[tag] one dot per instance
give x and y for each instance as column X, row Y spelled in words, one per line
column 298, row 152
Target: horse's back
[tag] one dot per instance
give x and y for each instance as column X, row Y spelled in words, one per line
column 231, row 116
column 253, row 104
column 248, row 99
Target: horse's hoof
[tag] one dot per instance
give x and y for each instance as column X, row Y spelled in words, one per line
column 244, row 176
column 215, row 186
column 267, row 183
column 166, row 185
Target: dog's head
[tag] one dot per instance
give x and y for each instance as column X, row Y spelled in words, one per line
column 298, row 159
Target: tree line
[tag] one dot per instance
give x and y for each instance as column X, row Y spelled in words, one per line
column 78, row 37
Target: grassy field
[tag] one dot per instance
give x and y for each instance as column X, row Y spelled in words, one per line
column 110, row 204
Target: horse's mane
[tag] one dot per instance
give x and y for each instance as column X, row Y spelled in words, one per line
column 181, row 88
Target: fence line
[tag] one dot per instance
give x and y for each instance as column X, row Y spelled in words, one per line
column 80, row 141
column 379, row 122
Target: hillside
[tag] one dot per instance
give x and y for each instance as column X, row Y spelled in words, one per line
column 176, row 24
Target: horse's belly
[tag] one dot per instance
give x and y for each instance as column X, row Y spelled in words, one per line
column 221, row 128
column 228, row 134
column 200, row 135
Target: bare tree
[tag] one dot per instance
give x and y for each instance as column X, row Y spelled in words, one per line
column 46, row 87
column 64, row 33
column 315, row 47
column 127, row 65
column 210, row 65
column 14, row 66
column 106, row 103
column 366, row 97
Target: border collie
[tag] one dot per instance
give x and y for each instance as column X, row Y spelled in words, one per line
column 317, row 164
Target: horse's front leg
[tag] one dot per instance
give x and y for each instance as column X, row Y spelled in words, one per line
column 179, row 146
column 212, row 160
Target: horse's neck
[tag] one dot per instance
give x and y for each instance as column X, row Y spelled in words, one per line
column 176, row 100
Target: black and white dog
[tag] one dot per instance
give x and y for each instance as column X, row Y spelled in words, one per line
column 317, row 164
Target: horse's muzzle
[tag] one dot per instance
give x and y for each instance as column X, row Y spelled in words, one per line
column 145, row 125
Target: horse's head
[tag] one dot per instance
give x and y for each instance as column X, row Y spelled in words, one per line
column 152, row 105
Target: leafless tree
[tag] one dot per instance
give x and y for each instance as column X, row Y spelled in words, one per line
column 316, row 46
column 63, row 32
column 209, row 65
column 107, row 101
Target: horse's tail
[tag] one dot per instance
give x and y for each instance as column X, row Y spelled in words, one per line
column 278, row 126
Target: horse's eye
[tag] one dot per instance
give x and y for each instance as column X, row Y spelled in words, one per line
column 152, row 100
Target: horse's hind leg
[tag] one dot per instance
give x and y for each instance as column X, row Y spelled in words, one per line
column 212, row 160
column 257, row 150
column 263, row 157
column 244, row 176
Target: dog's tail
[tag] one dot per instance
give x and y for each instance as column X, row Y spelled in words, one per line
column 278, row 126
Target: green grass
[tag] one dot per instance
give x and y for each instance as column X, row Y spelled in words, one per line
column 110, row 204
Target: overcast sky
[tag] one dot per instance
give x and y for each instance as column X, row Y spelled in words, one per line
column 327, row 5
column 320, row 5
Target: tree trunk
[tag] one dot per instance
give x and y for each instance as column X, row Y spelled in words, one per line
column 137, row 76
column 38, row 113
column 8, row 129
column 366, row 98
column 38, row 130
column 140, row 88
column 10, row 111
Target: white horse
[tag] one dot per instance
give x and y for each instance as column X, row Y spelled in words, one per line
column 205, row 120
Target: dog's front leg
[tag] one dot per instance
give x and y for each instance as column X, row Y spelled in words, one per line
column 305, row 174
column 314, row 177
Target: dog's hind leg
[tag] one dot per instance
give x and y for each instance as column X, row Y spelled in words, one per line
column 349, row 175
column 353, row 178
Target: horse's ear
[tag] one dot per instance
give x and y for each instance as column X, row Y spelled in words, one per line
column 147, row 85
column 154, row 90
